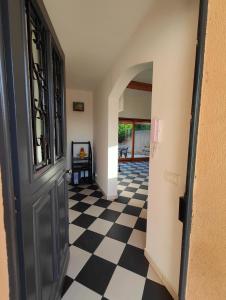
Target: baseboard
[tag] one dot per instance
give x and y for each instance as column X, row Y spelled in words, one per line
column 161, row 276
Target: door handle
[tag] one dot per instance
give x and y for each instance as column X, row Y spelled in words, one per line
column 182, row 208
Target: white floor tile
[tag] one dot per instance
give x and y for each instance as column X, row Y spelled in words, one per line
column 94, row 210
column 78, row 291
column 73, row 215
column 78, row 259
column 124, row 285
column 74, row 232
column 110, row 249
column 141, row 191
column 139, row 179
column 137, row 239
column 100, row 226
column 137, row 203
column 90, row 200
column 121, row 187
column 143, row 213
column 127, row 194
column 134, row 185
column 127, row 220
column 117, row 206
column 71, row 202
column 127, row 180
column 86, row 192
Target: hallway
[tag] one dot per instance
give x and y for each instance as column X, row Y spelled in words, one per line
column 107, row 240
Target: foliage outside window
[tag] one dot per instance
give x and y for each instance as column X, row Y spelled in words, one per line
column 124, row 130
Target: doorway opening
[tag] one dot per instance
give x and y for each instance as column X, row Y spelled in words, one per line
column 134, row 142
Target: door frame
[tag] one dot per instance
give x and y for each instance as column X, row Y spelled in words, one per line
column 6, row 161
column 6, row 174
column 186, row 202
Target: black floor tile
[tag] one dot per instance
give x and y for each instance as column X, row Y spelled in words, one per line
column 122, row 199
column 140, row 196
column 120, row 233
column 93, row 187
column 145, row 205
column 156, row 291
column 76, row 189
column 134, row 260
column 97, row 194
column 103, row 203
column 144, row 187
column 66, row 284
column 81, row 206
column 78, row 197
column 124, row 183
column 131, row 189
column 132, row 210
column 89, row 241
column 96, row 274
column 110, row 215
column 141, row 224
column 137, row 182
column 84, row 220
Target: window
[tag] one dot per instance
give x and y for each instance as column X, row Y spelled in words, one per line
column 58, row 103
column 39, row 91
column 134, row 139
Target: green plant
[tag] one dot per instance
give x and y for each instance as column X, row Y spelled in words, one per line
column 124, row 130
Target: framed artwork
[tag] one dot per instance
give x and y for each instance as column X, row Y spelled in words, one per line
column 78, row 106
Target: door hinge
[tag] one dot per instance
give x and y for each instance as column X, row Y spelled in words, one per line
column 182, row 208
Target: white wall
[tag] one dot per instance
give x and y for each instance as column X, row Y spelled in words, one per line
column 168, row 38
column 79, row 124
column 137, row 104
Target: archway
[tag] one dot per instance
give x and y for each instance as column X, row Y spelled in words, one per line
column 113, row 102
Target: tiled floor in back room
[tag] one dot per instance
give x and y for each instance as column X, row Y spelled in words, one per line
column 107, row 240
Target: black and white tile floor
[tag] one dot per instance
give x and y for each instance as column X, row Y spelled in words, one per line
column 107, row 240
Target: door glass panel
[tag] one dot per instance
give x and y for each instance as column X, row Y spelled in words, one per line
column 58, row 103
column 125, row 133
column 142, row 140
column 37, row 41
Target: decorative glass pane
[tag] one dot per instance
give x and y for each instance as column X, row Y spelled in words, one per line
column 36, row 37
column 58, row 103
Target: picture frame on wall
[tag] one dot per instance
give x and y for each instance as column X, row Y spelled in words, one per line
column 78, row 106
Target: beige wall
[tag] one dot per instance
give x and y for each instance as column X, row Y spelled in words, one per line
column 207, row 261
column 79, row 124
column 167, row 37
column 137, row 104
column 4, row 284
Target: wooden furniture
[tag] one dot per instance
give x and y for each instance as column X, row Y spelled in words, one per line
column 81, row 163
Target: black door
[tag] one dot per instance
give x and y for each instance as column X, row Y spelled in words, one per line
column 35, row 84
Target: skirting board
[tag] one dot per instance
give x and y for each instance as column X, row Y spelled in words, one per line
column 159, row 273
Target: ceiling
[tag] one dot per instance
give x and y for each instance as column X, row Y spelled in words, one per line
column 145, row 76
column 92, row 33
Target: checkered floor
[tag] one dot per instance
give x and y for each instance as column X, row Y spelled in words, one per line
column 107, row 240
